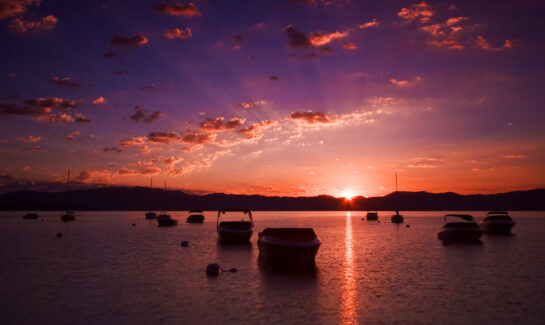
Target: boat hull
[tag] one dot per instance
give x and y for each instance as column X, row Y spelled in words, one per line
column 453, row 234
column 195, row 219
column 497, row 227
column 68, row 217
column 227, row 235
column 30, row 216
column 396, row 218
column 151, row 215
column 275, row 250
column 165, row 220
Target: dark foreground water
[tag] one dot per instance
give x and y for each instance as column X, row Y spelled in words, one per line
column 104, row 270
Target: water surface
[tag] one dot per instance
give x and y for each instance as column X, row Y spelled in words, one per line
column 104, row 270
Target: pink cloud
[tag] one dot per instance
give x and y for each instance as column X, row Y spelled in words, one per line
column 218, row 124
column 132, row 141
column 15, row 7
column 455, row 20
column 257, row 103
column 99, row 101
column 65, row 83
column 313, row 117
column 369, row 24
column 404, row 83
column 178, row 33
column 350, row 46
column 176, row 9
column 70, row 136
column 29, row 139
column 320, row 38
column 20, row 26
column 255, row 130
column 420, row 11
column 55, row 118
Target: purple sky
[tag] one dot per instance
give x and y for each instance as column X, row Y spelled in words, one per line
column 275, row 97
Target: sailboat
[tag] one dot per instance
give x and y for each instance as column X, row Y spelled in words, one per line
column 397, row 218
column 164, row 219
column 69, row 215
column 150, row 214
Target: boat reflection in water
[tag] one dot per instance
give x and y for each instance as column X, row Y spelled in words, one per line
column 349, row 313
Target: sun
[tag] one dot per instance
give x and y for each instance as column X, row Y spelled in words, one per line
column 348, row 194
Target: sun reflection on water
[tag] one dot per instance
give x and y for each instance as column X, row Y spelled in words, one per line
column 348, row 308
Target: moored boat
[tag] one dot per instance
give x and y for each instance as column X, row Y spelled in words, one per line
column 372, row 216
column 195, row 216
column 497, row 223
column 29, row 216
column 235, row 231
column 397, row 218
column 288, row 245
column 164, row 220
column 151, row 215
column 460, row 231
column 69, row 215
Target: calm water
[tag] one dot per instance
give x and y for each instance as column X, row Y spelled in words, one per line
column 104, row 270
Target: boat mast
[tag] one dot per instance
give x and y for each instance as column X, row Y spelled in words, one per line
column 165, row 197
column 67, row 190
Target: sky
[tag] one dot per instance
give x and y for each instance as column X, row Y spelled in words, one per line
column 296, row 98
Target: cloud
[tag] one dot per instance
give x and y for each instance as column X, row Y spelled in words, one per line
column 20, row 26
column 132, row 141
column 273, row 78
column 35, row 148
column 52, row 103
column 80, row 118
column 15, row 7
column 135, row 40
column 450, row 43
column 420, row 11
column 121, row 73
column 350, row 46
column 65, row 83
column 29, row 139
column 514, row 156
column 177, row 33
column 140, row 167
column 112, row 149
column 255, row 130
column 70, row 136
column 218, row 124
column 163, row 137
column 83, row 176
column 404, row 83
column 194, row 138
column 254, row 104
column 176, row 9
column 508, row 44
column 296, row 38
column 99, row 101
column 110, row 55
column 369, row 24
column 455, row 20
column 171, row 161
column 423, row 163
column 147, row 87
column 55, row 118
column 313, row 117
column 321, row 38
column 21, row 110
column 240, row 37
column 144, row 116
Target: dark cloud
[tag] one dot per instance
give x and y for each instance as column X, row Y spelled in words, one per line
column 21, row 110
column 218, row 124
column 313, row 117
column 273, row 78
column 240, row 37
column 176, row 9
column 255, row 130
column 198, row 138
column 163, row 137
column 178, row 33
column 142, row 115
column 52, row 103
column 147, row 87
column 20, row 26
column 83, row 176
column 80, row 118
column 112, row 149
column 110, row 55
column 121, row 73
column 135, row 40
column 65, row 83
column 296, row 38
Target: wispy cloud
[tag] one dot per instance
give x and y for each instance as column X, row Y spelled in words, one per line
column 218, row 124
column 99, row 101
column 70, row 136
column 15, row 7
column 65, row 82
column 142, row 115
column 369, row 24
column 421, row 11
column 296, row 39
column 29, row 139
column 178, row 33
column 21, row 26
column 252, row 104
column 322, row 38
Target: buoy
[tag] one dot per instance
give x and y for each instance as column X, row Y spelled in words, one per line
column 378, row 221
column 408, row 226
column 133, row 224
column 213, row 269
column 59, row 235
column 185, row 243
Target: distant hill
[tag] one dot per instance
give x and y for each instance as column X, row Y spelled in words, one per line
column 142, row 198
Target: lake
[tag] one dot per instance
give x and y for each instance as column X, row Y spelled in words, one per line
column 104, row 270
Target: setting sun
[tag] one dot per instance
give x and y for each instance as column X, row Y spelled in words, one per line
column 348, row 194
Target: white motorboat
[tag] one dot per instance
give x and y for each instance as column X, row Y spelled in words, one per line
column 372, row 216
column 235, row 231
column 497, row 223
column 459, row 231
column 288, row 245
column 195, row 216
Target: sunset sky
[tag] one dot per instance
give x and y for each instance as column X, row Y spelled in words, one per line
column 294, row 98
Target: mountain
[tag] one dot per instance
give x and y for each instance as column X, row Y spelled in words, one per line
column 142, row 198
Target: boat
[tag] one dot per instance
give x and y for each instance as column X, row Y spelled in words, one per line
column 151, row 214
column 460, row 231
column 235, row 231
column 497, row 223
column 397, row 218
column 164, row 219
column 195, row 216
column 372, row 216
column 69, row 215
column 29, row 216
column 288, row 245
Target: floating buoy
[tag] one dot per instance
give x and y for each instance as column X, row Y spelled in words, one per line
column 185, row 243
column 213, row 269
column 408, row 226
column 133, row 224
column 59, row 235
column 378, row 221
